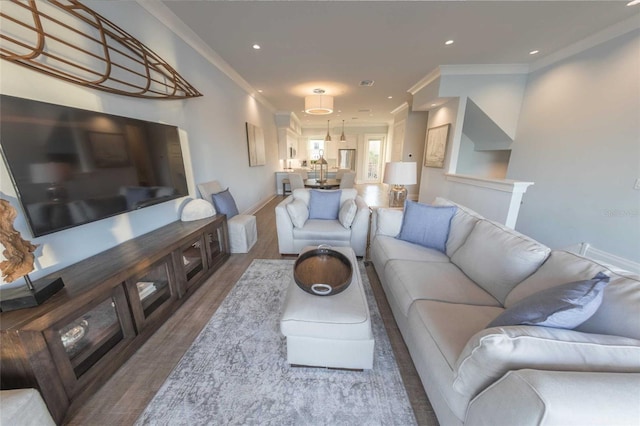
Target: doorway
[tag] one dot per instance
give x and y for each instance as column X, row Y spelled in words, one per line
column 373, row 159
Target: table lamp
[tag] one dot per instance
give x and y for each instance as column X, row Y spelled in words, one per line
column 323, row 165
column 398, row 174
column 53, row 174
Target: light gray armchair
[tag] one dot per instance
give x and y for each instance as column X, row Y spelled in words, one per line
column 293, row 237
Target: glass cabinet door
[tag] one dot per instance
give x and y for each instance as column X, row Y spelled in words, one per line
column 151, row 292
column 216, row 244
column 89, row 336
column 193, row 261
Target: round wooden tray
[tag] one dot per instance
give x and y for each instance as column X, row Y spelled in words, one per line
column 322, row 272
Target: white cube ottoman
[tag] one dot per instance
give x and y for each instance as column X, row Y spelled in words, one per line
column 329, row 331
column 243, row 233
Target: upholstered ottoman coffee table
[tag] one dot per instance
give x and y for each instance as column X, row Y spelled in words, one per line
column 329, row 331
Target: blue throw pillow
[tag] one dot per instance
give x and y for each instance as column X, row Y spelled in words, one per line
column 426, row 225
column 225, row 204
column 324, row 204
column 565, row 306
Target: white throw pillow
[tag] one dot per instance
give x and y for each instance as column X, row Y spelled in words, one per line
column 388, row 221
column 498, row 258
column 492, row 352
column 298, row 212
column 347, row 213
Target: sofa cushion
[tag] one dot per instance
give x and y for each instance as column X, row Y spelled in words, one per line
column 225, row 204
column 490, row 353
column 433, row 281
column 322, row 230
column 389, row 248
column 347, row 213
column 618, row 313
column 461, row 225
column 498, row 258
column 298, row 212
column 451, row 325
column 559, row 268
column 426, row 225
column 324, row 204
column 564, row 306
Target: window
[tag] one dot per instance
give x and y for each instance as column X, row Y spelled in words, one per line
column 315, row 146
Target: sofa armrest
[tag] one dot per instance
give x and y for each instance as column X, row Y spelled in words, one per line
column 284, row 227
column 492, row 352
column 549, row 398
column 360, row 227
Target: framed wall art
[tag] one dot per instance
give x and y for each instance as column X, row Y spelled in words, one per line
column 255, row 142
column 109, row 149
column 436, row 148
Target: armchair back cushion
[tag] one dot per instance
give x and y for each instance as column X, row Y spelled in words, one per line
column 324, row 204
column 304, row 194
column 498, row 258
column 492, row 352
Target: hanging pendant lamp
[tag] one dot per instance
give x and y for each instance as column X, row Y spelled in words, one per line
column 318, row 103
column 342, row 136
column 328, row 137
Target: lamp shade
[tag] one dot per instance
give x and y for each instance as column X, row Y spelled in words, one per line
column 318, row 104
column 400, row 173
column 49, row 172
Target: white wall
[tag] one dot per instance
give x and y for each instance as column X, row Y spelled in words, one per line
column 579, row 140
column 433, row 182
column 214, row 123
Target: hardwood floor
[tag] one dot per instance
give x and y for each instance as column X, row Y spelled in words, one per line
column 121, row 400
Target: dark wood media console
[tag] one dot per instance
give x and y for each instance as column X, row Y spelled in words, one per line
column 111, row 304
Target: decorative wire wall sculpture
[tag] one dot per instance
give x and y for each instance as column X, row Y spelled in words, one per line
column 66, row 39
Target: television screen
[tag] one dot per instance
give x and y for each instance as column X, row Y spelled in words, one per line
column 72, row 166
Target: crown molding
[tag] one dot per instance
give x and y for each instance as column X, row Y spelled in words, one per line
column 401, row 107
column 425, row 81
column 163, row 14
column 469, row 69
column 596, row 39
column 484, row 69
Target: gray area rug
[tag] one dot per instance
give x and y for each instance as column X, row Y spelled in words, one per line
column 236, row 372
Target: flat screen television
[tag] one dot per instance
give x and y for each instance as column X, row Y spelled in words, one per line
column 72, row 166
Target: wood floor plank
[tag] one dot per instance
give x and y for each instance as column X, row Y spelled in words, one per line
column 123, row 398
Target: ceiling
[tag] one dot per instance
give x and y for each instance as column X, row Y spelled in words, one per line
column 334, row 45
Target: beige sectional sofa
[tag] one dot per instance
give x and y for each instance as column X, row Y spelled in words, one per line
column 517, row 374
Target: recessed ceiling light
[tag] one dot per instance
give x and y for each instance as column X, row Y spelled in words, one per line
column 448, row 42
column 633, row 3
column 256, row 46
column 259, row 90
column 533, row 52
column 389, row 97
